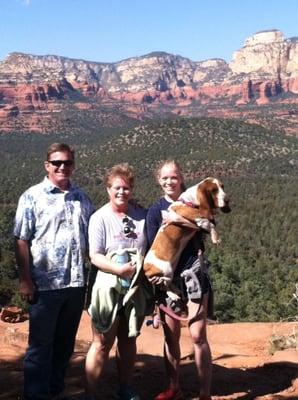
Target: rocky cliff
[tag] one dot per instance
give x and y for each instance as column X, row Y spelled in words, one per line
column 264, row 71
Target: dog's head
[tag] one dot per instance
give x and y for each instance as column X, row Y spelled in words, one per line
column 208, row 195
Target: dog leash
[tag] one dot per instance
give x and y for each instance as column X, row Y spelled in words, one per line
column 171, row 313
column 156, row 321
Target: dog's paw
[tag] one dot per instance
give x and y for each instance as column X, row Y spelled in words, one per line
column 204, row 223
column 173, row 296
column 214, row 237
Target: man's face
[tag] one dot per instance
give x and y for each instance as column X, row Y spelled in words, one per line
column 60, row 167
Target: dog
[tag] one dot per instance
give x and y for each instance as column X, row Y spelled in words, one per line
column 197, row 205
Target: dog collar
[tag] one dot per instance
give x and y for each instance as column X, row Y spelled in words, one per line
column 188, row 203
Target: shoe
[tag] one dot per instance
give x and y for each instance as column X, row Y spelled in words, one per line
column 58, row 396
column 127, row 393
column 170, row 394
column 66, row 398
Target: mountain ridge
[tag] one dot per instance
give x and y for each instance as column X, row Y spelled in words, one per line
column 151, row 53
column 263, row 72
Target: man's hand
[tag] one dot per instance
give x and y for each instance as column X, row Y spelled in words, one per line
column 27, row 290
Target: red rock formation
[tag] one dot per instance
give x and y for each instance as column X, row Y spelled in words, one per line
column 265, row 67
column 31, row 97
column 246, row 93
column 8, row 111
column 290, row 85
column 267, row 90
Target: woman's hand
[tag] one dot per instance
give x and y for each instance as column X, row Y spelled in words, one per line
column 127, row 270
column 156, row 280
column 105, row 264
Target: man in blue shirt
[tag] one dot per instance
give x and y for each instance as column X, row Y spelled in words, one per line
column 50, row 232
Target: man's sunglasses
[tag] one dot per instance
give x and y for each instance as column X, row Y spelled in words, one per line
column 58, row 163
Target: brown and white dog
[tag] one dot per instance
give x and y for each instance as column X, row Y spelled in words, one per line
column 197, row 205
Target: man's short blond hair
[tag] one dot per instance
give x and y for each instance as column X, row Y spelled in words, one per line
column 63, row 147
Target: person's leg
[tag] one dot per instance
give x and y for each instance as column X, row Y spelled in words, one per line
column 97, row 356
column 198, row 332
column 125, row 354
column 172, row 354
column 37, row 363
column 65, row 334
column 171, row 328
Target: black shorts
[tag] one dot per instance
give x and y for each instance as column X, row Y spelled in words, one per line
column 192, row 282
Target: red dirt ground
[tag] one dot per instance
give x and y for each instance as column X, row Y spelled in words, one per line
column 242, row 366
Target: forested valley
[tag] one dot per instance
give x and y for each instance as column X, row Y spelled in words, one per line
column 254, row 270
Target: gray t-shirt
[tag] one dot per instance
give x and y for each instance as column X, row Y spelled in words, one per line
column 106, row 230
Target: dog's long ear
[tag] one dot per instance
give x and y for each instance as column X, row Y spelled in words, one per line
column 190, row 195
column 206, row 202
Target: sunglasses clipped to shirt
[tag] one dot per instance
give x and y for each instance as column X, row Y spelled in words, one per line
column 127, row 228
column 58, row 163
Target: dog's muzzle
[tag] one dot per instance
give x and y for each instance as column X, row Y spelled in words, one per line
column 226, row 208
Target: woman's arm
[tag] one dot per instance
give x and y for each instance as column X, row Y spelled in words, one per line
column 153, row 222
column 171, row 217
column 111, row 267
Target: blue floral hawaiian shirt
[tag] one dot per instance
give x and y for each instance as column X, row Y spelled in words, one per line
column 55, row 223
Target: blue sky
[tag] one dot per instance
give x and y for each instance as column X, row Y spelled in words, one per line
column 112, row 30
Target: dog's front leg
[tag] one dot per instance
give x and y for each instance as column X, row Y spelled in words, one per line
column 173, row 217
column 208, row 226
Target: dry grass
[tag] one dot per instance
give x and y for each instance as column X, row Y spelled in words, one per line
column 279, row 342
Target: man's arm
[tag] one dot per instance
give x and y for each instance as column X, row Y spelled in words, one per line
column 26, row 288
